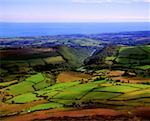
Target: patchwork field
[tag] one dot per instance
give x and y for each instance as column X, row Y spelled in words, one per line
column 71, row 94
column 139, row 55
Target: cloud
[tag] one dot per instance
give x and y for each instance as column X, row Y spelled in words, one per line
column 147, row 1
column 111, row 1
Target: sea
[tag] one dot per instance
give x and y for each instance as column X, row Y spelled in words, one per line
column 44, row 29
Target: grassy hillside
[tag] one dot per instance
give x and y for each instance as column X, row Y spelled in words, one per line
column 99, row 56
column 139, row 55
column 75, row 56
column 134, row 59
column 128, row 58
column 15, row 63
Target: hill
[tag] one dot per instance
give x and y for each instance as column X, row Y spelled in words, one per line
column 128, row 58
column 75, row 56
column 18, row 62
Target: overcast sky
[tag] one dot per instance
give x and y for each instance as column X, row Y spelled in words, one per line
column 75, row 10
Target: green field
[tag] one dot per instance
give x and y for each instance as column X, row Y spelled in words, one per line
column 145, row 67
column 6, row 84
column 54, row 60
column 69, row 93
column 50, row 105
column 117, row 88
column 28, row 85
column 24, row 98
column 78, row 91
column 99, row 96
column 144, row 93
column 139, row 55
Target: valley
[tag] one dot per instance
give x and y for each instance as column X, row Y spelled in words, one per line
column 75, row 77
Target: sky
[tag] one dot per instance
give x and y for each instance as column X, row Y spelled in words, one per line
column 74, row 10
